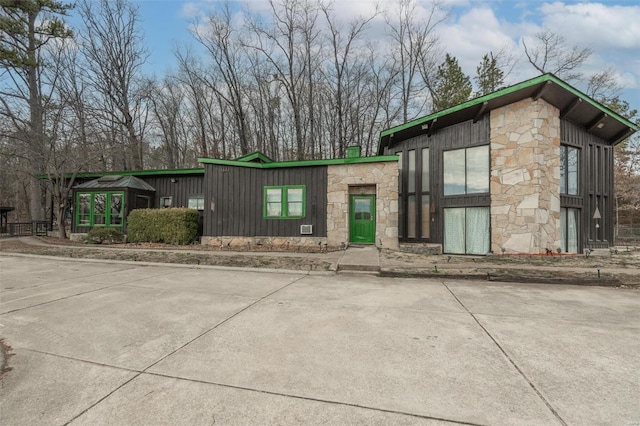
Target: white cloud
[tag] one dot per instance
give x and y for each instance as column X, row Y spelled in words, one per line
column 597, row 25
column 475, row 33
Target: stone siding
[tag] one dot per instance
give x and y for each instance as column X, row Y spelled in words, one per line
column 298, row 244
column 525, row 177
column 380, row 179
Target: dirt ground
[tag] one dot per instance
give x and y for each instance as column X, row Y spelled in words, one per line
column 190, row 254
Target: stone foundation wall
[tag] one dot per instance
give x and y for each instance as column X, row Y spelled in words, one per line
column 525, row 177
column 380, row 179
column 302, row 244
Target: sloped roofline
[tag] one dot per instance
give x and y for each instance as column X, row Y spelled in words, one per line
column 540, row 80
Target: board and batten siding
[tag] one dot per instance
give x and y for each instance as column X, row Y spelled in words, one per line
column 463, row 135
column 179, row 187
column 595, row 185
column 234, row 201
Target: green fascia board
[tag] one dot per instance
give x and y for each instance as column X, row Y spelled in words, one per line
column 161, row 172
column 302, row 163
column 507, row 90
column 253, row 156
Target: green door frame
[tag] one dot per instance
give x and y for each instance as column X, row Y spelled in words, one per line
column 362, row 224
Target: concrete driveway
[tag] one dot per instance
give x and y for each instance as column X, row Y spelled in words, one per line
column 114, row 343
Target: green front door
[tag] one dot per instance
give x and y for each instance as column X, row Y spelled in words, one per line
column 362, row 219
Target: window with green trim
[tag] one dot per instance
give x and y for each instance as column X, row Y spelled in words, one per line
column 284, row 202
column 100, row 208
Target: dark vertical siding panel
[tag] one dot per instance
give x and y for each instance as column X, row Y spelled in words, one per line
column 239, row 205
column 462, row 135
column 185, row 186
column 596, row 185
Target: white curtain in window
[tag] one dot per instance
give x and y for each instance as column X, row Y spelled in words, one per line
column 454, row 231
column 477, row 227
column 572, row 230
column 569, row 230
column 563, row 230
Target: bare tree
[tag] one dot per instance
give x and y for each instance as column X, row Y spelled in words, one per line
column 342, row 50
column 192, row 77
column 549, row 53
column 113, row 45
column 603, row 86
column 283, row 46
column 167, row 103
column 225, row 49
column 416, row 41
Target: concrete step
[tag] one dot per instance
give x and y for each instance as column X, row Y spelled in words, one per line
column 360, row 258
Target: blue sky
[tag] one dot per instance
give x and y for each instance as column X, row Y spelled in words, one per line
column 610, row 28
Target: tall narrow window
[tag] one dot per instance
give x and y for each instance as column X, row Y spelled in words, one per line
column 425, row 224
column 84, row 209
column 411, row 194
column 99, row 209
column 454, row 181
column 116, row 209
column 569, row 225
column 569, row 170
column 477, row 169
column 400, row 196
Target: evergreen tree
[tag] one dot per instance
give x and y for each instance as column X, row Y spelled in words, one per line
column 489, row 76
column 25, row 27
column 451, row 86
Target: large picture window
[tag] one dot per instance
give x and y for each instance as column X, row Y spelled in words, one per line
column 569, row 169
column 466, row 171
column 100, row 209
column 466, row 230
column 284, row 202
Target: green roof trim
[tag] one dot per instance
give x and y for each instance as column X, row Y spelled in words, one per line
column 257, row 155
column 157, row 172
column 302, row 163
column 507, row 90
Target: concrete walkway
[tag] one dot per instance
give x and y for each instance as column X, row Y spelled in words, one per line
column 360, row 258
column 97, row 343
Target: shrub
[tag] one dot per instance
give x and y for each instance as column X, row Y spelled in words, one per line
column 171, row 226
column 104, row 235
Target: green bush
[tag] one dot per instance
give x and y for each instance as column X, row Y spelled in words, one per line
column 170, row 226
column 104, row 235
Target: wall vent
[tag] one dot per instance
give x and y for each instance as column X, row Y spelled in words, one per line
column 306, row 229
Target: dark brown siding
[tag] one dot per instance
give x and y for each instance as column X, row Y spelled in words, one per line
column 462, row 135
column 236, row 196
column 596, row 185
column 179, row 187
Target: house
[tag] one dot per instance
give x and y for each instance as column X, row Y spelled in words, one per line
column 253, row 201
column 527, row 169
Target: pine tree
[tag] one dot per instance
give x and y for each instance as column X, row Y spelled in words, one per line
column 451, row 86
column 25, row 27
column 489, row 76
